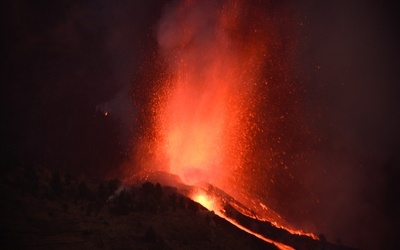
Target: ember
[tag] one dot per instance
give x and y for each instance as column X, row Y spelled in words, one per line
column 201, row 124
column 206, row 109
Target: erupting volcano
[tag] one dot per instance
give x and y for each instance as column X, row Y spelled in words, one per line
column 200, row 124
column 206, row 113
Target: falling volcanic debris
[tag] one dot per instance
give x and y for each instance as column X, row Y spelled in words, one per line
column 212, row 66
column 205, row 121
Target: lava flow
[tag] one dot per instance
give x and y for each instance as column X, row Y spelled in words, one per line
column 214, row 57
column 213, row 204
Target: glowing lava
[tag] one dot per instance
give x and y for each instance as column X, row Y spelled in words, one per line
column 212, row 204
column 205, row 201
column 203, row 114
column 202, row 133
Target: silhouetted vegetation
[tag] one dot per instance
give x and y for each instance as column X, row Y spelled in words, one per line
column 123, row 203
column 86, row 205
column 158, row 193
column 173, row 201
column 113, row 186
column 102, row 191
column 148, row 188
column 89, row 209
column 83, row 190
column 181, row 202
column 32, row 179
column 56, row 184
column 68, row 178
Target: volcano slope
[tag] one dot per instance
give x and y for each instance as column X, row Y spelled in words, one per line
column 50, row 210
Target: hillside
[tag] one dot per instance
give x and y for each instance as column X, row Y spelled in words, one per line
column 49, row 210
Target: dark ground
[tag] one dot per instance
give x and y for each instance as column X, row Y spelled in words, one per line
column 43, row 209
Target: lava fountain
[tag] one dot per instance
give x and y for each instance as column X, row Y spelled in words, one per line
column 204, row 111
column 202, row 133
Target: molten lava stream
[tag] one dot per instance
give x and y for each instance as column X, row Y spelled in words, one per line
column 278, row 244
column 263, row 213
column 212, row 205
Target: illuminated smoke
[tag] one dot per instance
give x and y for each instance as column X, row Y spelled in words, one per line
column 202, row 108
column 222, row 107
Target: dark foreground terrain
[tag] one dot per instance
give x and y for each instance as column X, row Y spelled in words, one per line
column 41, row 209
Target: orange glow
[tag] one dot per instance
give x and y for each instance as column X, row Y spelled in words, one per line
column 204, row 112
column 206, row 201
column 200, row 123
column 278, row 244
column 211, row 204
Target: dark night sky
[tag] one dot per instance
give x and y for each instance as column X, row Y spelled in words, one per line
column 351, row 55
column 67, row 62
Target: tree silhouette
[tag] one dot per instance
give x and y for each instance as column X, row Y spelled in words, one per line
column 83, row 190
column 148, row 188
column 158, row 192
column 56, row 184
column 113, row 185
